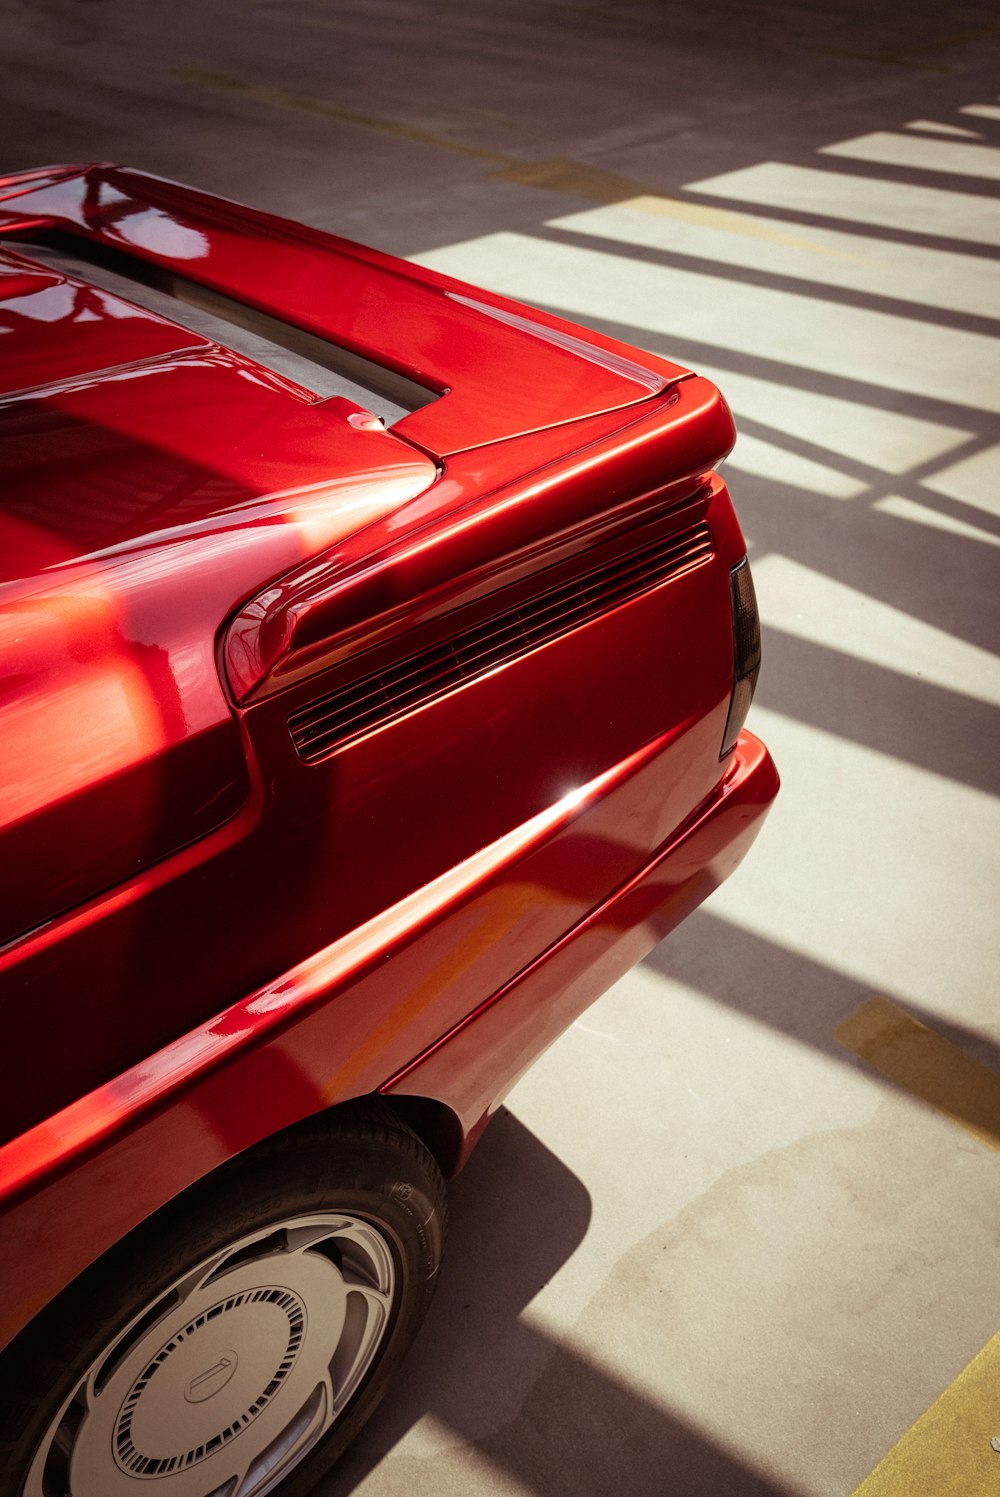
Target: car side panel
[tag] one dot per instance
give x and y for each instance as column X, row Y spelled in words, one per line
column 323, row 848
column 477, row 1063
column 305, row 1043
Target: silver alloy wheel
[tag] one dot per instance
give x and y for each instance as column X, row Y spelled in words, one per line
column 223, row 1384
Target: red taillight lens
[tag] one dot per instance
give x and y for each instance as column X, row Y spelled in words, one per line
column 746, row 651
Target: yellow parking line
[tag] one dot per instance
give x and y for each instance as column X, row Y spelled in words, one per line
column 555, row 175
column 730, row 222
column 266, row 93
column 600, row 186
column 930, row 1067
column 947, row 1453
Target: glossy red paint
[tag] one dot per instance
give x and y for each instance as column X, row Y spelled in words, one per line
column 485, row 522
column 273, row 1058
column 208, row 939
column 502, row 368
column 131, row 526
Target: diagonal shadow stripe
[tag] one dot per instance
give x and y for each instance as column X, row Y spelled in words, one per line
column 790, row 992
column 536, row 1411
column 747, row 275
column 922, row 724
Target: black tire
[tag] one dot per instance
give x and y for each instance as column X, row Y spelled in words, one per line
column 361, row 1168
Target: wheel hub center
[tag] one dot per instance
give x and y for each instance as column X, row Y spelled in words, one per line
column 209, row 1381
column 213, row 1379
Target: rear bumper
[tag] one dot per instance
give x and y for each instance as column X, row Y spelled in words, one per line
column 336, row 1026
column 476, row 1064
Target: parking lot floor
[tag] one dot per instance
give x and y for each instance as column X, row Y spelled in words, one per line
column 737, row 1231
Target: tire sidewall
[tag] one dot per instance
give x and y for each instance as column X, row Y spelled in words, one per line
column 377, row 1173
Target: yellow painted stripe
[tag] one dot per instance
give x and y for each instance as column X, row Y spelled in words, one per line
column 930, row 1067
column 559, row 175
column 599, row 186
column 888, row 59
column 266, row 93
column 731, row 223
column 947, row 1453
column 554, row 175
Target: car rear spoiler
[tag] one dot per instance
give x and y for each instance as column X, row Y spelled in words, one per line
column 500, row 368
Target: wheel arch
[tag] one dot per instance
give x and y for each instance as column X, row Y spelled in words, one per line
column 436, row 1125
column 358, row 1158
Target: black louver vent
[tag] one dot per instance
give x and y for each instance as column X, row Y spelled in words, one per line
column 373, row 700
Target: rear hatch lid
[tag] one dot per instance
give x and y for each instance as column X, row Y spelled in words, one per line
column 498, row 369
column 150, row 482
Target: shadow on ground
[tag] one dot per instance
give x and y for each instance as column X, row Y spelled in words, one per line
column 530, row 1405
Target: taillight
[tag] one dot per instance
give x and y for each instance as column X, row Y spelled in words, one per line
column 746, row 651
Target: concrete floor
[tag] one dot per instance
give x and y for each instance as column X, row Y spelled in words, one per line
column 707, row 1250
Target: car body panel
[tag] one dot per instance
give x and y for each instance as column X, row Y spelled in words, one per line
column 56, row 331
column 489, row 518
column 138, row 506
column 211, row 933
column 327, row 846
column 499, row 370
column 305, row 1041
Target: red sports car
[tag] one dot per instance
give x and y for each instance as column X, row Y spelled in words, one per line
column 375, row 657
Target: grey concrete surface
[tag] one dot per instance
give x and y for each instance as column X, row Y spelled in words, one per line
column 706, row 1250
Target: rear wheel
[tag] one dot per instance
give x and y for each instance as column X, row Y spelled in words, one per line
column 234, row 1344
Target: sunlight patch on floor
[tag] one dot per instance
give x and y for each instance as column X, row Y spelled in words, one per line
column 769, row 460
column 875, row 904
column 816, row 607
column 974, row 480
column 884, row 440
column 935, row 127
column 888, row 149
column 863, row 200
column 880, row 348
column 921, row 514
column 982, row 111
column 854, row 261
